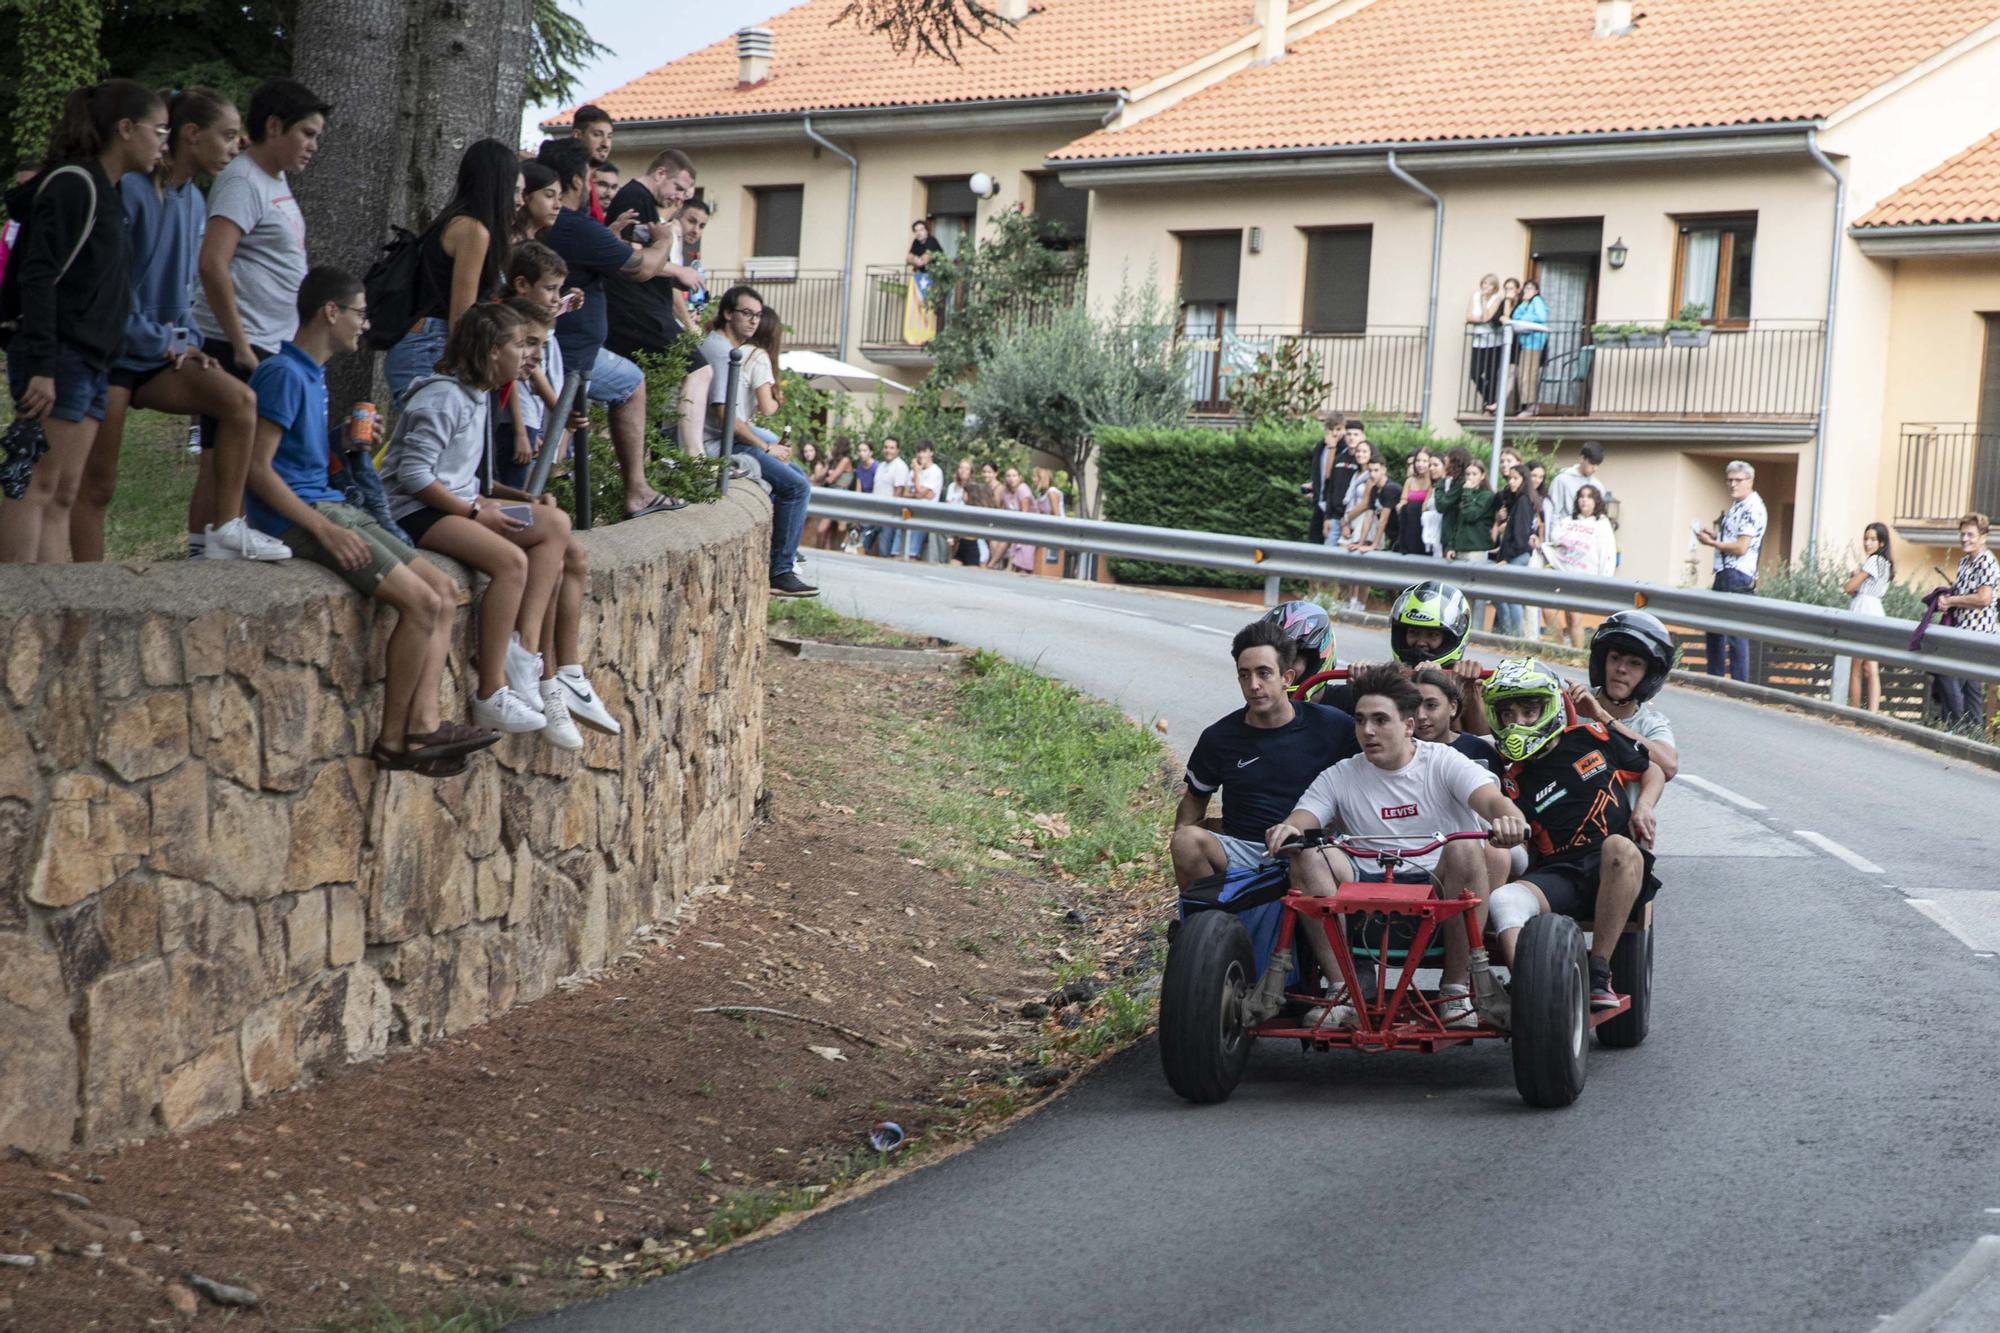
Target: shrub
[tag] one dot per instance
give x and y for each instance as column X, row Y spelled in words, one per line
column 1285, row 387
column 1241, row 482
column 1822, row 582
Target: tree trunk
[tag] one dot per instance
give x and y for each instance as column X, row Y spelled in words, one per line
column 470, row 68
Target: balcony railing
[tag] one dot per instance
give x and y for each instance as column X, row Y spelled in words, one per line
column 887, row 328
column 1767, row 371
column 1945, row 470
column 1379, row 370
column 807, row 302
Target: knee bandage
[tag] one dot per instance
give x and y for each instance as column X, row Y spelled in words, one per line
column 1511, row 906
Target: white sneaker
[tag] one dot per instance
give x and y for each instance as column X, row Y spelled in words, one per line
column 506, row 711
column 197, row 545
column 237, row 540
column 1454, row 1007
column 524, row 674
column 1332, row 1016
column 560, row 731
column 583, row 703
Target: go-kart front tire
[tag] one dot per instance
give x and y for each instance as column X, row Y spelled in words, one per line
column 1203, row 1041
column 1632, row 973
column 1551, row 1011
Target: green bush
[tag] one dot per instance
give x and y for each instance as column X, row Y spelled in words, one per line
column 1241, row 482
column 1823, row 582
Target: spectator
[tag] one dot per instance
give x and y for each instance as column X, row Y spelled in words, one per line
column 861, row 536
column 1516, row 523
column 1582, row 543
column 1353, row 503
column 73, row 284
column 737, row 315
column 253, row 257
column 291, row 498
column 1403, row 528
column 591, row 128
column 1561, row 492
column 1378, row 524
column 1015, row 495
column 827, row 535
column 1447, row 469
column 1483, row 315
column 644, row 316
column 523, row 405
column 1737, row 539
column 891, row 479
column 603, row 189
column 1438, row 718
column 1971, row 604
column 535, row 276
column 1865, row 586
column 965, row 550
column 1529, row 344
column 1466, row 511
column 762, row 377
column 689, row 304
column 810, row 463
column 1333, row 469
column 593, row 254
column 1050, row 500
column 919, row 318
column 461, row 259
column 541, row 201
column 162, row 368
column 926, row 483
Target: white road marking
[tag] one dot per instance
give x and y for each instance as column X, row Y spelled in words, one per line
column 1210, row 629
column 1717, row 789
column 1114, row 610
column 1969, row 914
column 1834, row 849
column 937, row 578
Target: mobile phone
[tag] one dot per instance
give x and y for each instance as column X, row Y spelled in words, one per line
column 523, row 514
column 571, row 303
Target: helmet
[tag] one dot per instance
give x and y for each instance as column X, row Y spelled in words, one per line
column 1525, row 678
column 1308, row 625
column 1642, row 635
column 1429, row 605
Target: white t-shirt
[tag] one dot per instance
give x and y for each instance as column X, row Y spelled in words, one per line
column 1428, row 795
column 270, row 261
column 756, row 373
column 931, row 479
column 530, row 409
column 889, row 475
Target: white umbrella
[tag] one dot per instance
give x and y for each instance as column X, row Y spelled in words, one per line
column 824, row 372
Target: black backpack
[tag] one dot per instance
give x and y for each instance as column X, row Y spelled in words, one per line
column 20, row 203
column 394, row 285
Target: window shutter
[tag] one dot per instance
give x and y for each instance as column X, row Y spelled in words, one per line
column 1337, row 280
column 1989, row 379
column 1209, row 267
column 1059, row 204
column 780, row 215
column 950, row 198
column 1582, row 236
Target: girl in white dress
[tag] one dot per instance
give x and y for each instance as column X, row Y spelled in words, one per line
column 1865, row 586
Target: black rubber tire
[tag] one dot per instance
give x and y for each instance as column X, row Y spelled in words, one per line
column 1632, row 974
column 1203, row 1043
column 1551, row 1011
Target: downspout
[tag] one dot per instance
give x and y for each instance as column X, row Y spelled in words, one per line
column 853, row 198
column 1437, row 255
column 1826, row 343
column 1116, row 107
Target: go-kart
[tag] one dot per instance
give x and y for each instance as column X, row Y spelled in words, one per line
column 1382, row 934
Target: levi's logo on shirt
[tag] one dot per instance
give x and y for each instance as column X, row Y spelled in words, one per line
column 1399, row 812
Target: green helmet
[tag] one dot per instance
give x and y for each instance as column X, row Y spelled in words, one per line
column 1429, row 605
column 1525, row 678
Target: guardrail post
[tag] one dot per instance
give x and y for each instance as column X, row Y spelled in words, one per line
column 1271, row 593
column 1843, row 674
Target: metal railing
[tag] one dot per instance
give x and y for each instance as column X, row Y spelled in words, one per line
column 807, row 302
column 884, row 309
column 1379, row 369
column 1767, row 370
column 1945, row 469
column 1948, row 651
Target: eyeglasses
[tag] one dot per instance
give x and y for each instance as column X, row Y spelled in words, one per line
column 165, row 132
column 752, row 315
column 360, row 310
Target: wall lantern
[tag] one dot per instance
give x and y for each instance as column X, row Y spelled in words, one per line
column 983, row 185
column 1616, row 253
column 1256, row 240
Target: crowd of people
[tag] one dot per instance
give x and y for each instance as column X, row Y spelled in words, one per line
column 1493, row 304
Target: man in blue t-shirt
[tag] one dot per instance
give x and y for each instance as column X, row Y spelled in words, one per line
column 594, row 254
column 1261, row 758
column 292, row 499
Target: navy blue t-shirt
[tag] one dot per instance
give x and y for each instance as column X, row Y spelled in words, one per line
column 1262, row 772
column 1481, row 752
column 592, row 253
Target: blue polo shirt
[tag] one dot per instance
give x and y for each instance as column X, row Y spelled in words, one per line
column 291, row 394
column 593, row 253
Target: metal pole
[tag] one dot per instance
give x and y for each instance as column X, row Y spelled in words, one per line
column 729, row 413
column 556, row 429
column 1500, row 399
column 580, row 470
column 1826, row 338
column 1437, row 255
column 853, row 197
column 1271, row 590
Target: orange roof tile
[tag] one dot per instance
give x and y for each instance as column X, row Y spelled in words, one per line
column 1408, row 71
column 1964, row 189
column 1063, row 46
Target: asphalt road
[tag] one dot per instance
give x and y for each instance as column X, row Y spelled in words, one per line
column 1806, row 1140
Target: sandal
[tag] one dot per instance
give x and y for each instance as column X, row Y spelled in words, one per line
column 660, row 504
column 391, row 761
column 448, row 741
column 442, row 768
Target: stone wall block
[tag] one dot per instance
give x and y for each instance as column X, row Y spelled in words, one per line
column 269, row 1049
column 206, row 1088
column 180, row 841
column 17, row 863
column 146, row 735
column 243, row 647
column 159, row 652
column 419, row 973
column 25, row 649
column 346, row 925
column 38, row 1055
column 305, row 935
column 329, row 827
column 214, row 961
column 20, row 774
column 118, row 672
column 502, row 994
column 495, row 885
column 93, row 833
column 306, row 636
column 224, row 730
column 203, row 642
column 467, row 980
column 413, row 849
column 125, row 1021
column 250, row 839
column 68, row 720
column 288, row 701
column 367, row 1017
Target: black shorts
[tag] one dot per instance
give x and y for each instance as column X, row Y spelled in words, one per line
column 223, row 353
column 123, row 377
column 418, row 522
column 1570, row 882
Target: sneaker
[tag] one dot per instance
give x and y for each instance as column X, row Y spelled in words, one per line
column 504, row 710
column 1454, row 1007
column 237, row 540
column 194, row 436
column 1601, row 994
column 581, row 702
column 524, row 673
column 1332, row 1016
column 559, row 731
column 197, row 545
column 789, row 584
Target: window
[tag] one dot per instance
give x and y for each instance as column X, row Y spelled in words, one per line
column 1210, row 262
column 1712, row 267
column 1337, row 280
column 1064, row 213
column 952, row 208
column 780, row 213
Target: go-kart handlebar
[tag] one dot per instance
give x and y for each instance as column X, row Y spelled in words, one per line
column 1346, row 842
column 1300, row 690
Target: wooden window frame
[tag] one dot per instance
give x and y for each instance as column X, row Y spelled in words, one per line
column 1729, row 224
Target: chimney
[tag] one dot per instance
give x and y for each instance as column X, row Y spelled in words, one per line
column 1011, row 10
column 1614, row 17
column 754, row 48
column 1271, row 20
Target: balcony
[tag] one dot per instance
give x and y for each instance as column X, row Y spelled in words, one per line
column 889, row 336
column 807, row 302
column 1944, row 470
column 1757, row 382
column 1379, row 371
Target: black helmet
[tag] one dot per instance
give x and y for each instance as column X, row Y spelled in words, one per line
column 1642, row 635
column 1308, row 625
column 1430, row 605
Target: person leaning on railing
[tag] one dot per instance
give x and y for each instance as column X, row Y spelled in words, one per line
column 1971, row 603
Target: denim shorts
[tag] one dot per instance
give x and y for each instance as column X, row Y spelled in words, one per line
column 81, row 388
column 614, row 379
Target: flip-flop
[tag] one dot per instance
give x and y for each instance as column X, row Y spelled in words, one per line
column 660, row 504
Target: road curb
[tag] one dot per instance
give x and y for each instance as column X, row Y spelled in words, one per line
column 901, row 659
column 1931, row 1308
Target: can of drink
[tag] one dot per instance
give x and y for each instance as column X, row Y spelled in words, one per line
column 361, row 424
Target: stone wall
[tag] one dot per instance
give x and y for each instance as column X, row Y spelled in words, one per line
column 206, row 895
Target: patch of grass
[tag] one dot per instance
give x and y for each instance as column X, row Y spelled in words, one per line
column 808, row 618
column 475, row 1315
column 743, row 1211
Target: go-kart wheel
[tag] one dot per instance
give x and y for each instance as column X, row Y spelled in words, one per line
column 1551, row 1013
column 1632, row 973
column 1203, row 1039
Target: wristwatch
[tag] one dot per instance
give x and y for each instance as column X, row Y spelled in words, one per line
column 474, row 515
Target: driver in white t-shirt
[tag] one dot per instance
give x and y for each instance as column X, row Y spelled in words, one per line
column 1403, row 788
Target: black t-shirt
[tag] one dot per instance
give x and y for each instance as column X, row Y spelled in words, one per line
column 1480, row 751
column 929, row 245
column 1577, row 792
column 640, row 315
column 1262, row 772
column 595, row 257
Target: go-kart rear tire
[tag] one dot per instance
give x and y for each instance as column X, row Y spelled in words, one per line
column 1203, row 1041
column 1632, row 973
column 1551, row 1011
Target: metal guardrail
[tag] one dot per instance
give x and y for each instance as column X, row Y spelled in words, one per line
column 1950, row 652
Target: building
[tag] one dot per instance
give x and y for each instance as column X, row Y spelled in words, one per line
column 1811, row 183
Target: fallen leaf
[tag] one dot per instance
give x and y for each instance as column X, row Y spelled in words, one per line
column 827, row 1053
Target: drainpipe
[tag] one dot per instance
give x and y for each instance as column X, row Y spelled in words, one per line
column 1116, row 107
column 1437, row 254
column 1826, row 344
column 853, row 197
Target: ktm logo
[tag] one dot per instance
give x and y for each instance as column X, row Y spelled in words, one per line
column 1399, row 812
column 1591, row 764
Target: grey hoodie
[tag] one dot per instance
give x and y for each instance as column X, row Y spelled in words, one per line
column 441, row 436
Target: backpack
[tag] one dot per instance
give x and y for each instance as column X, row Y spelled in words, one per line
column 393, row 283
column 1254, row 896
column 20, row 204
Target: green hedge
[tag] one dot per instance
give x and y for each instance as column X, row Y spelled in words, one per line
column 1244, row 482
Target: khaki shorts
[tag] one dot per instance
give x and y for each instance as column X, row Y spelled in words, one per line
column 384, row 551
